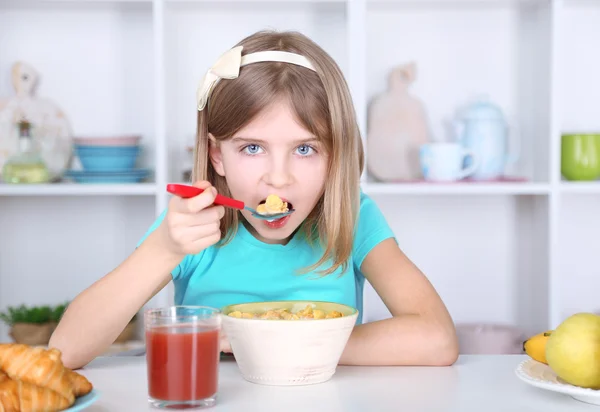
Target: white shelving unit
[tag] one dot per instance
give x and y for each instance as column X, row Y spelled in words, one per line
column 517, row 253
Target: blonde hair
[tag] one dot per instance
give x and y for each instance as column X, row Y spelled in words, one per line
column 321, row 100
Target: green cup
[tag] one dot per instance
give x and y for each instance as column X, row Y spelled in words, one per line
column 580, row 156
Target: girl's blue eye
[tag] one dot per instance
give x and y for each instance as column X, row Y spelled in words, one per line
column 252, row 148
column 304, row 149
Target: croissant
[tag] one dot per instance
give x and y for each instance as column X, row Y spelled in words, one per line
column 81, row 386
column 19, row 396
column 37, row 366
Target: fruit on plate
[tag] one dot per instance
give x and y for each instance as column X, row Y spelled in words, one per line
column 573, row 350
column 535, row 346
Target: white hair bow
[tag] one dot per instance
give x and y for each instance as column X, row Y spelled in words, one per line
column 228, row 67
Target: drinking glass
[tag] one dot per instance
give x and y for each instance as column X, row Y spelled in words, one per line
column 182, row 356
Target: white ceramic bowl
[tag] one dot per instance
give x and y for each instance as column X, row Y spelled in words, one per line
column 288, row 352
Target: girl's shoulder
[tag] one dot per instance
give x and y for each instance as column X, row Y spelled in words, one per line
column 372, row 228
column 369, row 213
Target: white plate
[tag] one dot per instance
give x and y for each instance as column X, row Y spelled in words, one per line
column 542, row 376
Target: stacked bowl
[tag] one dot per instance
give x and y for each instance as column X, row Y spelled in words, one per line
column 108, row 160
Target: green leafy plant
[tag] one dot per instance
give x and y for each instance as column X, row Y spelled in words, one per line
column 34, row 314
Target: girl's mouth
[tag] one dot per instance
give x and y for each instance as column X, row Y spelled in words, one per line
column 277, row 223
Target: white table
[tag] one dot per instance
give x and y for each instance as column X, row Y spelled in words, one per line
column 473, row 383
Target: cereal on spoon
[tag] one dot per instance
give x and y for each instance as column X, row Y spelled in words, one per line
column 273, row 205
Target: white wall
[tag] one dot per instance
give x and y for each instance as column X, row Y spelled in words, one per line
column 580, row 257
column 94, row 59
column 580, row 88
column 51, row 248
column 479, row 252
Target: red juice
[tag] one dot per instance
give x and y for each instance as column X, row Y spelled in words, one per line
column 182, row 363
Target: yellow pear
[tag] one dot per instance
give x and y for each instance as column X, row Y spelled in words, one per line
column 573, row 350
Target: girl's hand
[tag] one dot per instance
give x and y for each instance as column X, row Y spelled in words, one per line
column 193, row 224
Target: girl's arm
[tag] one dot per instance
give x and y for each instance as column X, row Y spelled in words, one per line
column 420, row 331
column 99, row 314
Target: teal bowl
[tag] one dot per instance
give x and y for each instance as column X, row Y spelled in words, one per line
column 107, row 159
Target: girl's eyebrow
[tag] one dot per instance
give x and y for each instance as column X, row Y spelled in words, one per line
column 246, row 140
column 256, row 140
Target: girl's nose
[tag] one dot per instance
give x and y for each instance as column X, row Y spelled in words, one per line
column 279, row 174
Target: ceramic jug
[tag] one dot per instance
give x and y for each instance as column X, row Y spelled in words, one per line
column 483, row 129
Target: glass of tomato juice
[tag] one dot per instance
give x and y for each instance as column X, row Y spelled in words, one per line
column 182, row 356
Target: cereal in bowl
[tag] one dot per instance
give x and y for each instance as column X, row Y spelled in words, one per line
column 284, row 314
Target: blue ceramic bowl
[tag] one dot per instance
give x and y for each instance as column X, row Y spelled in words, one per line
column 107, row 158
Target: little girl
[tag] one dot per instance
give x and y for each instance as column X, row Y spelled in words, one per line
column 275, row 116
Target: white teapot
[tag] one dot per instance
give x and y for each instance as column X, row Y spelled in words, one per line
column 483, row 129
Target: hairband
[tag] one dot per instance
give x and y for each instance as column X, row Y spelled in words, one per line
column 228, row 67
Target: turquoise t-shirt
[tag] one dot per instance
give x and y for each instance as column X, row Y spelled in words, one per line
column 248, row 270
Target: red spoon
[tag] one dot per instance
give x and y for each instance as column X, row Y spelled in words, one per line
column 187, row 191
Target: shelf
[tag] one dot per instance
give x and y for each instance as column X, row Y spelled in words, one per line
column 143, row 189
column 253, row 2
column 457, row 188
column 73, row 2
column 442, row 3
column 580, row 187
column 577, row 3
column 390, row 2
column 68, row 189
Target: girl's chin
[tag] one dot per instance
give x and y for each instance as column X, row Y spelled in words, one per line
column 278, row 231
